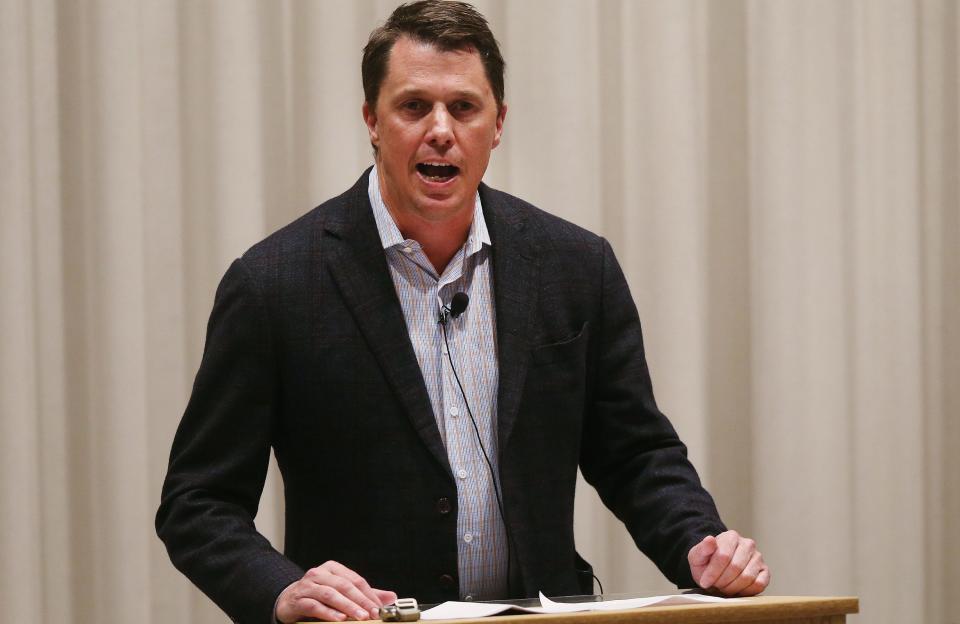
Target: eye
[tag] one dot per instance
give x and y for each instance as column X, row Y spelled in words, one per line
column 463, row 106
column 413, row 106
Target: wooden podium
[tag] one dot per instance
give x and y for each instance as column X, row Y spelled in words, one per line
column 757, row 610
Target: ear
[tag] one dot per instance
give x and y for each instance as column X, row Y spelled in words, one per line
column 370, row 119
column 501, row 115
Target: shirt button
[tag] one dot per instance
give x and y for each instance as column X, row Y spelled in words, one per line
column 454, row 411
column 443, row 349
column 444, row 506
column 462, row 473
column 468, row 537
column 468, row 598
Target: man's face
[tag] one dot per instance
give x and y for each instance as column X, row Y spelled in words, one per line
column 435, row 122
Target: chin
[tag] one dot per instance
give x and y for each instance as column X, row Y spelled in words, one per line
column 440, row 207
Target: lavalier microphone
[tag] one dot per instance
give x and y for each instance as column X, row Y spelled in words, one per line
column 458, row 304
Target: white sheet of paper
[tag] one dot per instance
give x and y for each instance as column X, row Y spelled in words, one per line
column 452, row 610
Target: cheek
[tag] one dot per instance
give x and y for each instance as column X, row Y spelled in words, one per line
column 403, row 135
column 485, row 140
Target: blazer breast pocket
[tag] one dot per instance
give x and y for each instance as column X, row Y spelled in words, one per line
column 570, row 349
column 556, row 384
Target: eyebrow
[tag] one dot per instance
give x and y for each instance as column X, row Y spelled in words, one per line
column 415, row 92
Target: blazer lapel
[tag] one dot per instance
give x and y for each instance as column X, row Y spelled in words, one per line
column 355, row 258
column 515, row 281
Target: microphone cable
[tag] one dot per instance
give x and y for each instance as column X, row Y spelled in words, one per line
column 457, row 305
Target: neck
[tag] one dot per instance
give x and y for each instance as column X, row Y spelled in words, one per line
column 440, row 240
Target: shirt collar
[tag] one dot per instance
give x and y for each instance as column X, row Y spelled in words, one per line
column 390, row 235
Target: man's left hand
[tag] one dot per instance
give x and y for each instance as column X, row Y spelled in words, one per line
column 730, row 564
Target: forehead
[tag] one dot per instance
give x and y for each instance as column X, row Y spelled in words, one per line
column 415, row 65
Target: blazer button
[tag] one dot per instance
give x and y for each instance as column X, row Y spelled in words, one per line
column 447, row 581
column 443, row 505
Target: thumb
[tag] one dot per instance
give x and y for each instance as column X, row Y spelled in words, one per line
column 700, row 554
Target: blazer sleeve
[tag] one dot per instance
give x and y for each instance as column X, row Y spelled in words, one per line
column 631, row 453
column 219, row 460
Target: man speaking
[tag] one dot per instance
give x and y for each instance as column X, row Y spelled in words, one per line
column 430, row 360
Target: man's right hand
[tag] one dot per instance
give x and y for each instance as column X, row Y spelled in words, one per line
column 333, row 593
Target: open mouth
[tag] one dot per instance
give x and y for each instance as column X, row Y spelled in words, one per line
column 437, row 172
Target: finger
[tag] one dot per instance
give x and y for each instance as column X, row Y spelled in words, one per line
column 720, row 559
column 366, row 608
column 746, row 577
column 308, row 607
column 295, row 607
column 371, row 600
column 746, row 548
column 699, row 555
column 762, row 582
column 325, row 587
column 328, row 594
column 386, row 597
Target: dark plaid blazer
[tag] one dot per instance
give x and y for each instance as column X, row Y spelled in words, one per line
column 307, row 352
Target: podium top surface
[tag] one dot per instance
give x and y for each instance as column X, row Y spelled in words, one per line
column 757, row 609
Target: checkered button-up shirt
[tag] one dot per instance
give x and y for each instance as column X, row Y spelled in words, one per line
column 481, row 538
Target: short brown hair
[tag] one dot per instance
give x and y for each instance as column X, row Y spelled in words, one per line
column 446, row 24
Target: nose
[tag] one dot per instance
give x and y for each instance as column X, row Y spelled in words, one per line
column 440, row 130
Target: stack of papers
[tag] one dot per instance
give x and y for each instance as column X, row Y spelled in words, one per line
column 460, row 610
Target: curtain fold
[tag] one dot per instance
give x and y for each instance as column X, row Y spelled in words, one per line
column 779, row 181
column 802, row 289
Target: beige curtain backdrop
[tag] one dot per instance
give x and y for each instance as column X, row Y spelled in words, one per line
column 779, row 179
